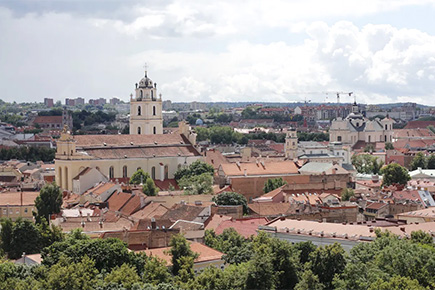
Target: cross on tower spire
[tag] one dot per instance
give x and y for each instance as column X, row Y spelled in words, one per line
column 146, row 68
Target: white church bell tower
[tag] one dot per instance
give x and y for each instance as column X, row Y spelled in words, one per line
column 146, row 109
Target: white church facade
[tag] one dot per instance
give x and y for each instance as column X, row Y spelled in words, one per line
column 355, row 127
column 119, row 156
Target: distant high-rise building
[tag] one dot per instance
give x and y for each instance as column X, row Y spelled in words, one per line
column 97, row 102
column 79, row 101
column 70, row 102
column 114, row 101
column 48, row 102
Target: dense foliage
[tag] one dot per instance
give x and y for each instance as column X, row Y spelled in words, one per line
column 48, row 201
column 395, row 174
column 231, row 198
column 261, row 262
column 423, row 162
column 139, row 177
column 272, row 184
column 31, row 153
column 367, row 163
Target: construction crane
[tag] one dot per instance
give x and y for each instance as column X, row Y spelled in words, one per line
column 338, row 95
column 321, row 93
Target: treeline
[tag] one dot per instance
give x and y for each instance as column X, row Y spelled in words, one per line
column 263, row 262
column 28, row 153
column 88, row 118
column 226, row 135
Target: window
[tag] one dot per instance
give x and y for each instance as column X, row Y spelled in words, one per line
column 386, row 126
column 138, row 130
column 139, row 110
column 141, row 94
column 154, row 110
column 385, row 138
column 338, row 138
column 5, row 211
column 124, row 171
column 153, row 172
column 154, row 130
column 111, row 172
column 166, row 172
column 25, row 210
column 152, row 95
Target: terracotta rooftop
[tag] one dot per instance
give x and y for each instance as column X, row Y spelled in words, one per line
column 215, row 221
column 245, row 227
column 215, row 158
column 150, row 211
column 132, row 205
column 205, row 253
column 48, row 119
column 270, row 208
column 127, row 140
column 422, row 213
column 183, row 212
column 419, row 124
column 118, row 199
column 14, row 198
column 141, row 152
column 254, row 168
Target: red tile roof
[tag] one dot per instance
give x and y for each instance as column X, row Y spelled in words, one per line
column 48, row 119
column 14, row 198
column 246, row 227
column 118, row 200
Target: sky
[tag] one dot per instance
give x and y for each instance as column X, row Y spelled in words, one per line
column 219, row 51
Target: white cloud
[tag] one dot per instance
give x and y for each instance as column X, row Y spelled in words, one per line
column 222, row 51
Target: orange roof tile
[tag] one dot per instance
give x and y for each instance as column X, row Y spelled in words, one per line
column 14, row 198
column 269, row 168
column 246, row 227
column 117, row 200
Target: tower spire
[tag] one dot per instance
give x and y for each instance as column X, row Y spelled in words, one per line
column 146, row 68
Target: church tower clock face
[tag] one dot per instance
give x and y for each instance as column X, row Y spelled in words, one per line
column 146, row 116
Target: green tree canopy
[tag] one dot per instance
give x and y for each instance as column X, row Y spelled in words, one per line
column 48, row 201
column 231, row 198
column 419, row 161
column 197, row 184
column 150, row 188
column 367, row 164
column 395, row 174
column 272, row 184
column 389, row 146
column 180, row 248
column 430, row 161
column 198, row 167
column 140, row 176
column 347, row 193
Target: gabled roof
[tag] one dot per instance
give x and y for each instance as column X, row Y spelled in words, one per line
column 150, row 211
column 320, row 167
column 183, row 212
column 245, row 227
column 117, row 200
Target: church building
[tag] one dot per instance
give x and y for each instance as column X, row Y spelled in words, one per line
column 119, row 156
column 356, row 128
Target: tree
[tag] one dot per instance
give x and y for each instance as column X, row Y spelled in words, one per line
column 389, row 146
column 369, row 148
column 48, row 202
column 25, row 238
column 273, row 183
column 327, row 261
column 347, row 193
column 124, row 275
column 367, row 164
column 394, row 174
column 198, row 167
column 419, row 161
column 67, row 275
column 231, row 198
column 149, row 188
column 260, row 272
column 180, row 248
column 197, row 184
column 139, row 177
column 6, row 234
column 309, row 281
column 422, row 237
column 397, row 283
column 431, row 161
column 155, row 271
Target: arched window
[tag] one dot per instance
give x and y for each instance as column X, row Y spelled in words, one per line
column 66, row 177
column 111, row 172
column 385, row 138
column 166, row 172
column 153, row 172
column 138, row 130
column 154, row 110
column 386, row 126
column 152, row 95
column 369, row 138
column 141, row 94
column 154, row 130
column 139, row 110
column 59, row 182
column 124, row 171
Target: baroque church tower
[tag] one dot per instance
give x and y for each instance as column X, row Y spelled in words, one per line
column 146, row 109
